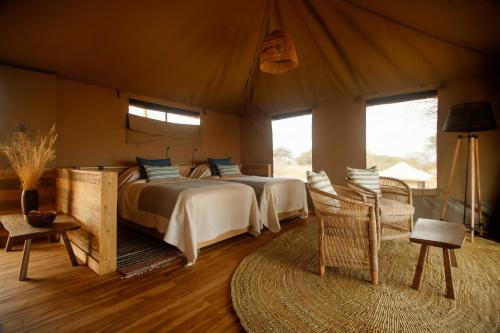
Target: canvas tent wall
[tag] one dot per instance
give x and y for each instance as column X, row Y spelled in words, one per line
column 203, row 55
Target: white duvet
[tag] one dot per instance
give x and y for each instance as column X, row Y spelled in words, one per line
column 199, row 214
column 279, row 195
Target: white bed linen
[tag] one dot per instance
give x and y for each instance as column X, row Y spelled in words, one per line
column 200, row 214
column 279, row 195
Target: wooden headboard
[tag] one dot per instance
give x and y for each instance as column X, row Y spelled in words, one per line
column 263, row 170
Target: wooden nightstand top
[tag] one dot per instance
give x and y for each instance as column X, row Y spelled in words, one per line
column 19, row 229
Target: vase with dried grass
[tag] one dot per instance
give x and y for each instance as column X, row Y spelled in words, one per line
column 28, row 157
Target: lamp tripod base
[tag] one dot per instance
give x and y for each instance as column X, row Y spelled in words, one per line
column 472, row 170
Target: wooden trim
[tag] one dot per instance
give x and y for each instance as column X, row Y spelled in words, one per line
column 263, row 170
column 152, row 232
column 287, row 115
column 156, row 234
column 472, row 144
column 478, row 181
column 293, row 213
column 184, row 170
column 224, row 236
column 162, row 108
column 402, row 98
column 450, row 178
column 90, row 196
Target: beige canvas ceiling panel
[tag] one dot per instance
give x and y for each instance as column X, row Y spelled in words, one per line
column 345, row 52
column 205, row 53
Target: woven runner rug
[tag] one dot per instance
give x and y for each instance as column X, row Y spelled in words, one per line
column 278, row 289
column 138, row 253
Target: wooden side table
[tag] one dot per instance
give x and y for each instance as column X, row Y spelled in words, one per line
column 446, row 235
column 20, row 230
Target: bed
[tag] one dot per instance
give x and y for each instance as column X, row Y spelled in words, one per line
column 188, row 213
column 279, row 198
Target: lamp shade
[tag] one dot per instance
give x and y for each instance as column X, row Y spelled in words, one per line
column 470, row 117
column 278, row 53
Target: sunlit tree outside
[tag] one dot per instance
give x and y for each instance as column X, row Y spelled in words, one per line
column 401, row 140
column 292, row 147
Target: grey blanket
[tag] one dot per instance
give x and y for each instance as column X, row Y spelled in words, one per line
column 160, row 198
column 255, row 182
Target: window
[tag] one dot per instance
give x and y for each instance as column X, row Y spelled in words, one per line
column 163, row 113
column 401, row 137
column 292, row 145
column 142, row 112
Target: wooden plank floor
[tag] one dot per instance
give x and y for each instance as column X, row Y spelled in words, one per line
column 60, row 298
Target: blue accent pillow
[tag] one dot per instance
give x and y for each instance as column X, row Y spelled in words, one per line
column 143, row 161
column 222, row 161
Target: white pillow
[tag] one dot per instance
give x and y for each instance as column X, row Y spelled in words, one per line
column 368, row 178
column 320, row 181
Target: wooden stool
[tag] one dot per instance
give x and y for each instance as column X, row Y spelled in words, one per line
column 446, row 235
column 20, row 230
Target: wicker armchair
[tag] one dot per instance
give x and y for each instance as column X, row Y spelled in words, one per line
column 348, row 232
column 394, row 209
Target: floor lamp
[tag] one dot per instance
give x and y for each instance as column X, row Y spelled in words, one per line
column 469, row 117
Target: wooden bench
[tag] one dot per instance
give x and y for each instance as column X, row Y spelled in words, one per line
column 446, row 235
column 20, row 230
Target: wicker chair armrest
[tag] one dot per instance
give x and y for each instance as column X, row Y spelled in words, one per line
column 338, row 197
column 396, row 194
column 395, row 189
column 394, row 182
column 368, row 193
column 349, row 193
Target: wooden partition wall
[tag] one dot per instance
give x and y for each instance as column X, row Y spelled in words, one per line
column 263, row 170
column 90, row 196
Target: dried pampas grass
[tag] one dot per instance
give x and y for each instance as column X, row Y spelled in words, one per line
column 28, row 157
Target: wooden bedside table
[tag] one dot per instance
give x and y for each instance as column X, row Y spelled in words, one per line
column 20, row 230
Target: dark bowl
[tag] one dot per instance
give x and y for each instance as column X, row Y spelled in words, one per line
column 40, row 220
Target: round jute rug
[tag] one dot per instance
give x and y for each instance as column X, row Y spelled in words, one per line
column 277, row 289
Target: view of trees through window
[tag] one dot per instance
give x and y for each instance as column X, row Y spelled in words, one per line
column 292, row 146
column 401, row 140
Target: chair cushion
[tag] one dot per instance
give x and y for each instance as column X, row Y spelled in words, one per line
column 368, row 178
column 320, row 181
column 391, row 207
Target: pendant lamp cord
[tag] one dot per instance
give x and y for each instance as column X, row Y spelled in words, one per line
column 256, row 56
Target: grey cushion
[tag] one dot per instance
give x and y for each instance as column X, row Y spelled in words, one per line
column 389, row 207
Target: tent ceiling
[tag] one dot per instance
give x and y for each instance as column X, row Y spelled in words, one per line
column 202, row 52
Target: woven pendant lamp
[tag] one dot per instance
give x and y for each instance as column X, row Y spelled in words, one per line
column 278, row 53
